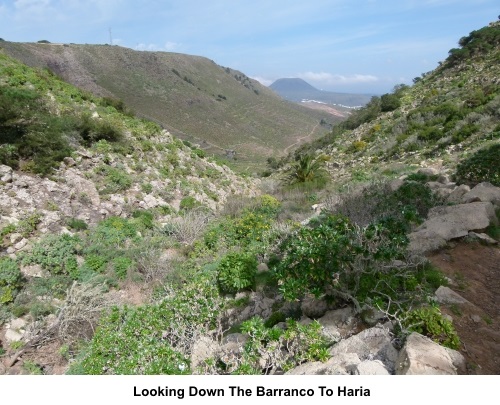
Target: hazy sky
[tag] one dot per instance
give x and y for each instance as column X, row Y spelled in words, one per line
column 363, row 46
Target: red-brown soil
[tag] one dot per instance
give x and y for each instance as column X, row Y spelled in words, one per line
column 474, row 271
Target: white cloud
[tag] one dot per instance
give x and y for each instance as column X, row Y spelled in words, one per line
column 262, row 80
column 147, row 47
column 171, row 46
column 31, row 5
column 330, row 79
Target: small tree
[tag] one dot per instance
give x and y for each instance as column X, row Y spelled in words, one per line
column 308, row 168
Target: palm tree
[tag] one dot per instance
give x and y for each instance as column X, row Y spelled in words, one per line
column 308, row 168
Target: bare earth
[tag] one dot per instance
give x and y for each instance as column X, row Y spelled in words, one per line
column 475, row 273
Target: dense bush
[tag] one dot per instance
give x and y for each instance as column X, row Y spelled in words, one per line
column 10, row 280
column 333, row 257
column 481, row 166
column 430, row 322
column 155, row 338
column 56, row 254
column 475, row 44
column 236, row 272
column 408, row 204
column 276, row 350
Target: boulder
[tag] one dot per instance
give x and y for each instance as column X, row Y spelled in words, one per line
column 313, row 308
column 6, row 174
column 483, row 238
column 455, row 197
column 445, row 295
column 203, row 349
column 428, row 171
column 421, row 356
column 448, row 222
column 371, row 344
column 343, row 364
column 83, row 186
column 339, row 323
column 485, row 192
column 371, row 367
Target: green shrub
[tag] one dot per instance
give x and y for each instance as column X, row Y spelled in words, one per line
column 56, row 254
column 334, row 256
column 236, row 272
column 115, row 179
column 278, row 350
column 481, row 166
column 143, row 218
column 28, row 225
column 10, row 280
column 188, row 203
column 147, row 188
column 430, row 322
column 155, row 338
column 121, row 265
column 77, row 224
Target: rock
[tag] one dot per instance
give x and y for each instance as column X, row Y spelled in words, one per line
column 12, row 336
column 448, row 222
column 203, row 349
column 6, row 174
column 232, row 346
column 421, row 356
column 21, row 244
column 456, row 195
column 313, row 308
column 443, row 179
column 34, row 270
column 69, row 161
column 371, row 367
column 428, row 171
column 445, row 295
column 371, row 316
column 262, row 268
column 309, row 368
column 304, row 321
column 443, row 193
column 424, row 241
column 338, row 323
column 394, row 185
column 17, row 324
column 475, row 318
column 15, row 238
column 371, row 344
column 485, row 192
column 343, row 364
column 483, row 238
column 84, row 188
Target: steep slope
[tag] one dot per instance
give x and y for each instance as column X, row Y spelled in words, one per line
column 446, row 115
column 191, row 96
column 295, row 89
column 116, row 160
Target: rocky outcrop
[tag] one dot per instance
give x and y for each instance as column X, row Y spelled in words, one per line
column 421, row 356
column 445, row 223
column 371, row 344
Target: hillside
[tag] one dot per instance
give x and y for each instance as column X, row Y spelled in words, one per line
column 192, row 97
column 446, row 115
column 297, row 90
column 124, row 250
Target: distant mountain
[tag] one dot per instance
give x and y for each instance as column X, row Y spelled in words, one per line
column 194, row 98
column 297, row 90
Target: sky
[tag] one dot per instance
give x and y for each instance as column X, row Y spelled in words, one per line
column 354, row 46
